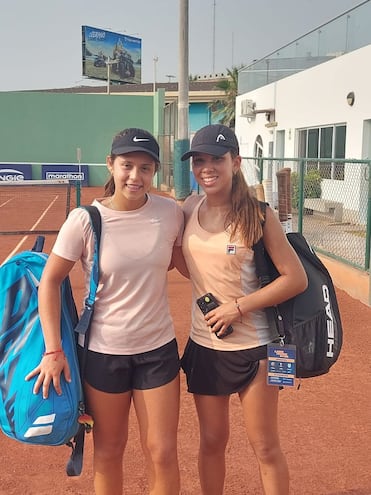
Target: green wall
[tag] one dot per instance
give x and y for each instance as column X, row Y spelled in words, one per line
column 49, row 127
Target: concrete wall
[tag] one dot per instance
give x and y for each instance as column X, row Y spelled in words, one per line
column 47, row 127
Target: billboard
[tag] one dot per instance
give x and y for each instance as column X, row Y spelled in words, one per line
column 105, row 51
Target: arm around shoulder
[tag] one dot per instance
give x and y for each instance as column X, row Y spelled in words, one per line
column 189, row 204
column 178, row 261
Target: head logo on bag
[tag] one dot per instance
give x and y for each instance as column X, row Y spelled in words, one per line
column 330, row 322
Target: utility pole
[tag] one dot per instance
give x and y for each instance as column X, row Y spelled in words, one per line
column 213, row 70
column 182, row 169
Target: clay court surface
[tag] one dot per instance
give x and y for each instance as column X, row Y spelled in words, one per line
column 325, row 425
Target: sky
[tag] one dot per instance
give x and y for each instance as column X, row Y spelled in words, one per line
column 40, row 40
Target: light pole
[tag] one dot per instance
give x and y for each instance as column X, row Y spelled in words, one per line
column 109, row 63
column 155, row 60
column 232, row 49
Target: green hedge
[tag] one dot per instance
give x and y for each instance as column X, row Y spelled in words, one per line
column 312, row 186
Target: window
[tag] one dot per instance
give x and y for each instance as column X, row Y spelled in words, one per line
column 326, row 143
column 326, row 151
column 312, row 148
column 340, row 137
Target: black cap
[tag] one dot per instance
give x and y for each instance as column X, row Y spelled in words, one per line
column 132, row 139
column 214, row 139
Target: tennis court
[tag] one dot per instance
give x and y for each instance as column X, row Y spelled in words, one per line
column 325, row 426
column 29, row 208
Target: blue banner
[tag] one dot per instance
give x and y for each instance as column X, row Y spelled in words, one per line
column 11, row 172
column 70, row 172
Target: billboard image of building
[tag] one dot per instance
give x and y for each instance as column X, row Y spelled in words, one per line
column 122, row 52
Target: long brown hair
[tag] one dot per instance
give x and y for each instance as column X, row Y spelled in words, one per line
column 245, row 218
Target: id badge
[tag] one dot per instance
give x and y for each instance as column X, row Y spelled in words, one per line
column 281, row 368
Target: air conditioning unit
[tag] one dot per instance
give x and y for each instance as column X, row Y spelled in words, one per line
column 248, row 108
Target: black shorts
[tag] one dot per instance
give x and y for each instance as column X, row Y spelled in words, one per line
column 212, row 372
column 120, row 373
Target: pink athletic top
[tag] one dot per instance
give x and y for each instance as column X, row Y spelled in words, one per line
column 227, row 270
column 131, row 313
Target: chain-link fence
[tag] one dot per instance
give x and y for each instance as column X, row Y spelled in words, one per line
column 328, row 200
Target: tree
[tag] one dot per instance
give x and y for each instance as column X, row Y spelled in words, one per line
column 223, row 110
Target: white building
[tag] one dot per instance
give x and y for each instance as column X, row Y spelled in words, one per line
column 312, row 99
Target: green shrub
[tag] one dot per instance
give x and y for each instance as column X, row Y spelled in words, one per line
column 312, row 186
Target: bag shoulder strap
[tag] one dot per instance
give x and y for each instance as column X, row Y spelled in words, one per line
column 95, row 220
column 74, row 464
column 261, row 265
column 264, row 275
column 96, row 223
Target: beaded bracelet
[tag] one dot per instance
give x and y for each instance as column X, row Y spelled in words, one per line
column 238, row 309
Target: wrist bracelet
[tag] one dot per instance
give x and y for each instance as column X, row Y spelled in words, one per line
column 58, row 351
column 238, row 308
column 52, row 352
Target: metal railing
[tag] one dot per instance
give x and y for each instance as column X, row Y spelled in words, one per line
column 343, row 34
column 330, row 202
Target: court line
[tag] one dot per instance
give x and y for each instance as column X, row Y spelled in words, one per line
column 6, row 202
column 32, row 228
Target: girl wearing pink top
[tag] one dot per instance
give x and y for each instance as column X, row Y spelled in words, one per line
column 133, row 355
column 221, row 227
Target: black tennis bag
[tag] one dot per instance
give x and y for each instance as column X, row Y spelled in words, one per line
column 311, row 320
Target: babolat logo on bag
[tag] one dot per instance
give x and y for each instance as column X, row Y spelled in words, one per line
column 25, row 416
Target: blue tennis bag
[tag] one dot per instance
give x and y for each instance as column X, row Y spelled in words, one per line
column 23, row 415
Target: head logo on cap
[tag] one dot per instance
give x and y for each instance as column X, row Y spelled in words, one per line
column 214, row 139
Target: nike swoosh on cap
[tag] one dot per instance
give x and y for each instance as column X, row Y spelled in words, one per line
column 137, row 139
